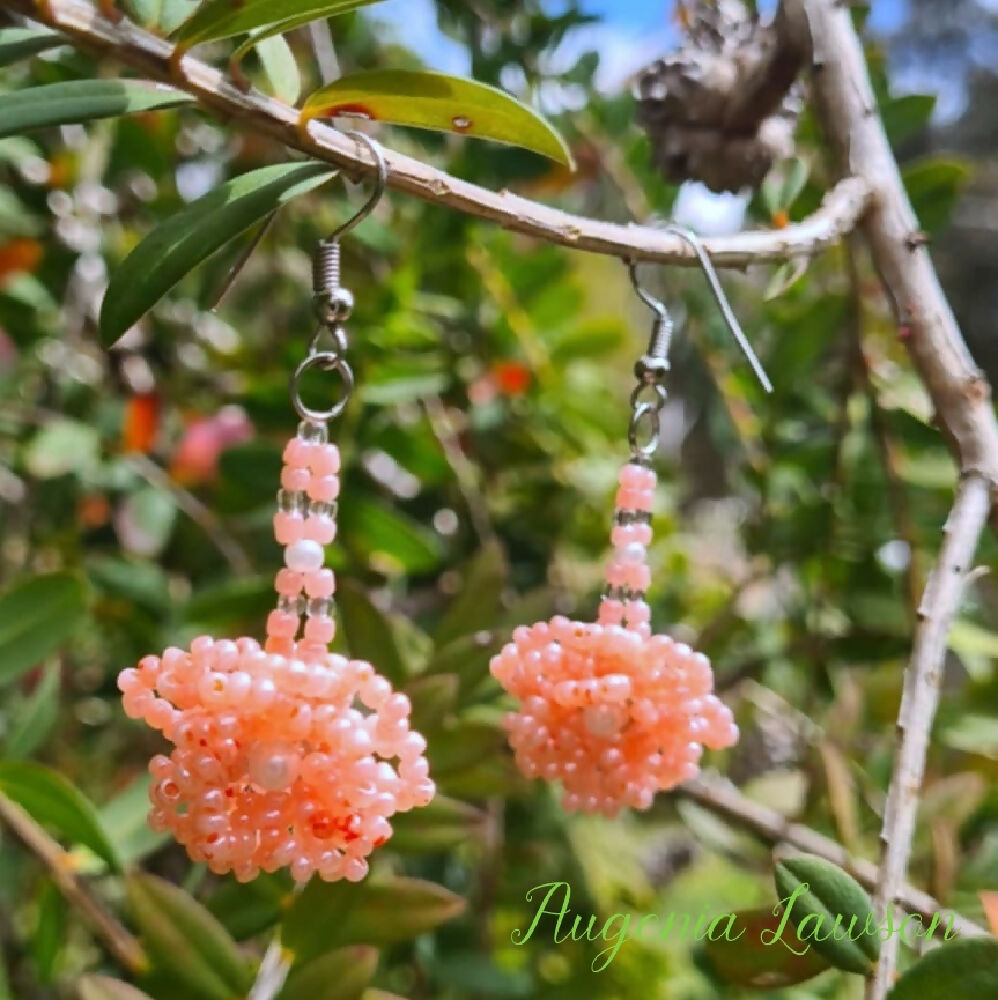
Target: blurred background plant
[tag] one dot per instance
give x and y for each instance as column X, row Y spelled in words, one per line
column 792, row 532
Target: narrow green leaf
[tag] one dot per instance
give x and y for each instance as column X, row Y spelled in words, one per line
column 934, row 184
column 50, row 930
column 783, row 183
column 54, row 802
column 377, row 911
column 280, row 68
column 392, row 541
column 82, row 100
column 433, row 697
column 234, row 600
column 340, row 975
column 246, row 909
column 467, row 658
column 160, row 15
column 185, row 940
column 217, row 19
column 762, row 956
column 37, row 616
column 478, row 601
column 34, row 721
column 831, row 910
column 956, row 970
column 907, row 114
column 440, row 102
column 20, row 43
column 784, row 277
column 439, row 826
column 106, row 988
column 193, row 234
column 125, row 819
column 586, row 339
column 369, row 634
column 462, row 745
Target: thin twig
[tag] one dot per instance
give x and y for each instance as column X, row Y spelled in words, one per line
column 878, row 425
column 151, row 56
column 201, row 515
column 120, row 942
column 273, row 971
column 847, row 111
column 443, row 429
column 721, row 797
column 919, row 701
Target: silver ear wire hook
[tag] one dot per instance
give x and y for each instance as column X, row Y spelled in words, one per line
column 649, row 396
column 333, row 302
column 721, row 299
column 657, row 355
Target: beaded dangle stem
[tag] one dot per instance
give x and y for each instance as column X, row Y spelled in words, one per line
column 282, row 755
column 609, row 710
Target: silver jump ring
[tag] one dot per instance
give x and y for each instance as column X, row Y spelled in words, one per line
column 650, row 393
column 644, row 412
column 328, row 361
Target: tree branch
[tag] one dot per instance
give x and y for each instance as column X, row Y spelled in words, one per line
column 722, row 798
column 847, row 110
column 127, row 43
column 125, row 948
column 919, row 701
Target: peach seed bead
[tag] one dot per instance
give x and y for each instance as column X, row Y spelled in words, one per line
column 324, row 488
column 320, row 629
column 289, row 527
column 320, row 529
column 299, row 453
column 288, row 583
column 325, row 460
column 295, row 480
column 320, row 583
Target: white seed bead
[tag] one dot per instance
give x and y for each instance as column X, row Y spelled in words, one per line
column 273, row 767
column 633, row 552
column 304, row 556
column 604, row 720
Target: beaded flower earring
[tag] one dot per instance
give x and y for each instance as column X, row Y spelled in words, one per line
column 282, row 755
column 609, row 710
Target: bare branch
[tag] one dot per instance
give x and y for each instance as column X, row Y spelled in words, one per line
column 847, row 110
column 125, row 948
column 150, row 55
column 723, row 799
column 919, row 701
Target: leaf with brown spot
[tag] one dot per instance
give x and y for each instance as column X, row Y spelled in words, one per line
column 439, row 102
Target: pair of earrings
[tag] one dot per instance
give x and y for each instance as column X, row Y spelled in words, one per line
column 283, row 753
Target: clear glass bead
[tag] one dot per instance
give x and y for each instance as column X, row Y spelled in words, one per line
column 296, row 605
column 323, row 508
column 319, row 607
column 292, row 501
column 310, row 430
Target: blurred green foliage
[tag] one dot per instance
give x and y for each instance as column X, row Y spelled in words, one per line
column 792, row 534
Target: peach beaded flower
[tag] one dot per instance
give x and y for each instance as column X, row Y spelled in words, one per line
column 611, row 711
column 282, row 755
